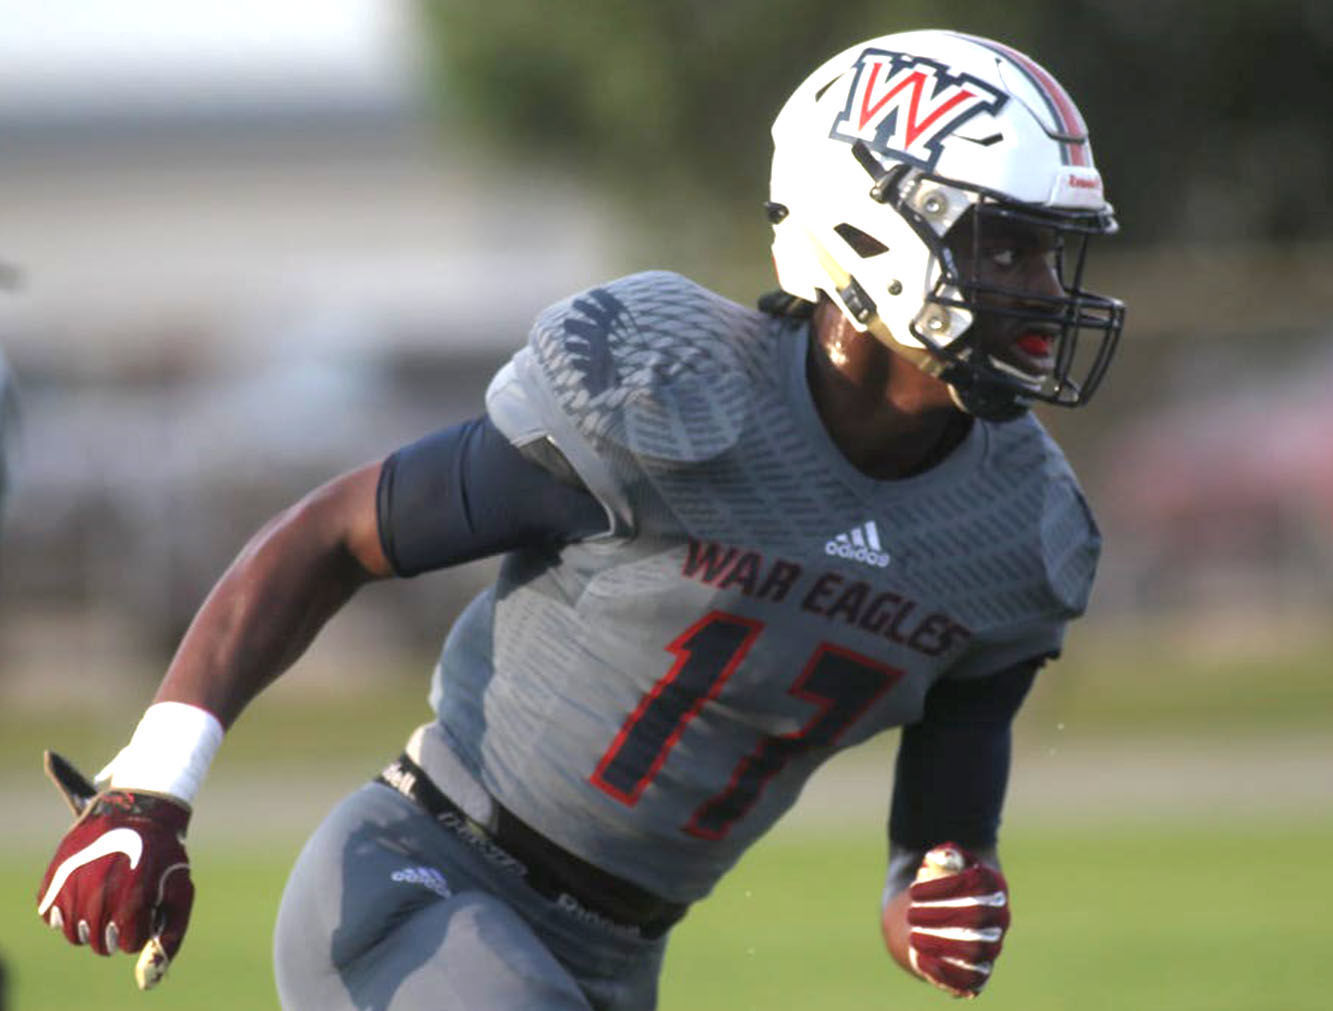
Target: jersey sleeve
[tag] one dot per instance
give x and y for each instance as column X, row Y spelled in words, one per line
column 1065, row 545
column 466, row 492
column 623, row 379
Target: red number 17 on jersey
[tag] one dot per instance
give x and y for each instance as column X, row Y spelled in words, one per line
column 841, row 684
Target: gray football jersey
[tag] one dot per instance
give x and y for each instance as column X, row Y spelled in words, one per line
column 653, row 698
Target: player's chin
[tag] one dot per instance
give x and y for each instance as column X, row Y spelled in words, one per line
column 1024, row 354
column 1032, row 371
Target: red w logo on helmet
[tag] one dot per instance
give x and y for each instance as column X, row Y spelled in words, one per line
column 903, row 106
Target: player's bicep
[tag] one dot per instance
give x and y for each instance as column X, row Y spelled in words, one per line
column 355, row 501
column 466, row 492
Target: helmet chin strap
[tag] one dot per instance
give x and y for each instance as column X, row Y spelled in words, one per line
column 981, row 396
column 974, row 392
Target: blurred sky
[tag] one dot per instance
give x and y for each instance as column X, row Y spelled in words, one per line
column 164, row 162
column 58, row 55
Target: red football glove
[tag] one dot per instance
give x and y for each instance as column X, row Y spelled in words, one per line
column 958, row 915
column 120, row 878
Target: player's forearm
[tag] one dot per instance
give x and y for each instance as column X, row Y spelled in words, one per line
column 292, row 577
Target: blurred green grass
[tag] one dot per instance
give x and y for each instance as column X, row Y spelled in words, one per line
column 1214, row 917
column 289, row 724
column 1204, row 683
column 1180, row 917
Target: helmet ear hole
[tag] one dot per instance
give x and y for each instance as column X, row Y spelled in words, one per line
column 862, row 244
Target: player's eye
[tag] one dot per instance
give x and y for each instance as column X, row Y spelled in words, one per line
column 1003, row 256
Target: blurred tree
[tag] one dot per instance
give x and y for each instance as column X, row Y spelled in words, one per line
column 1208, row 116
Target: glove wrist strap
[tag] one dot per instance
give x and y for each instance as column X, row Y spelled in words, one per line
column 169, row 754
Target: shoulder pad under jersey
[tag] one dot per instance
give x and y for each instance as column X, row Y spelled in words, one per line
column 641, row 368
column 1064, row 532
column 1071, row 542
column 1046, row 580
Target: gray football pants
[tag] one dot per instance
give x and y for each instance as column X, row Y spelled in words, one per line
column 387, row 910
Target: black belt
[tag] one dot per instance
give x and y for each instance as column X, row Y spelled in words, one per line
column 550, row 871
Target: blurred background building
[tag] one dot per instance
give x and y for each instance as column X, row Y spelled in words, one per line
column 257, row 244
column 248, row 260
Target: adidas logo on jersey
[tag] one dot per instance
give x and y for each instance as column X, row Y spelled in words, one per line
column 860, row 544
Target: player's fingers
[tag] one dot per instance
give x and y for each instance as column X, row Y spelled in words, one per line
column 71, row 919
column 58, row 919
column 96, row 935
column 103, row 936
column 53, row 905
column 93, row 921
column 55, row 918
column 964, row 979
column 116, row 912
column 133, row 921
column 969, row 946
column 976, row 915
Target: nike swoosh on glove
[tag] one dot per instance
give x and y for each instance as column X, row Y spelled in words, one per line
column 120, row 879
column 958, row 915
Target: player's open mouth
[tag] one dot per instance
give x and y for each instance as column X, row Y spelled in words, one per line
column 1032, row 352
column 1029, row 357
column 1035, row 345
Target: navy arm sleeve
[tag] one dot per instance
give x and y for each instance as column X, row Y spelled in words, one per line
column 466, row 492
column 953, row 765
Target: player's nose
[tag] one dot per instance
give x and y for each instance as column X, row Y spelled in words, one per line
column 1041, row 276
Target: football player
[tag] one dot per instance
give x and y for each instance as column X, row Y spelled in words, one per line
column 734, row 542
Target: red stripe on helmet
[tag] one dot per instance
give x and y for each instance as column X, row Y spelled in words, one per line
column 1068, row 119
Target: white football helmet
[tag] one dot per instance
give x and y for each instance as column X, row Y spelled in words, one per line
column 893, row 142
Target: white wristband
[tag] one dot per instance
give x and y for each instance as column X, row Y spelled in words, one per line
column 170, row 752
